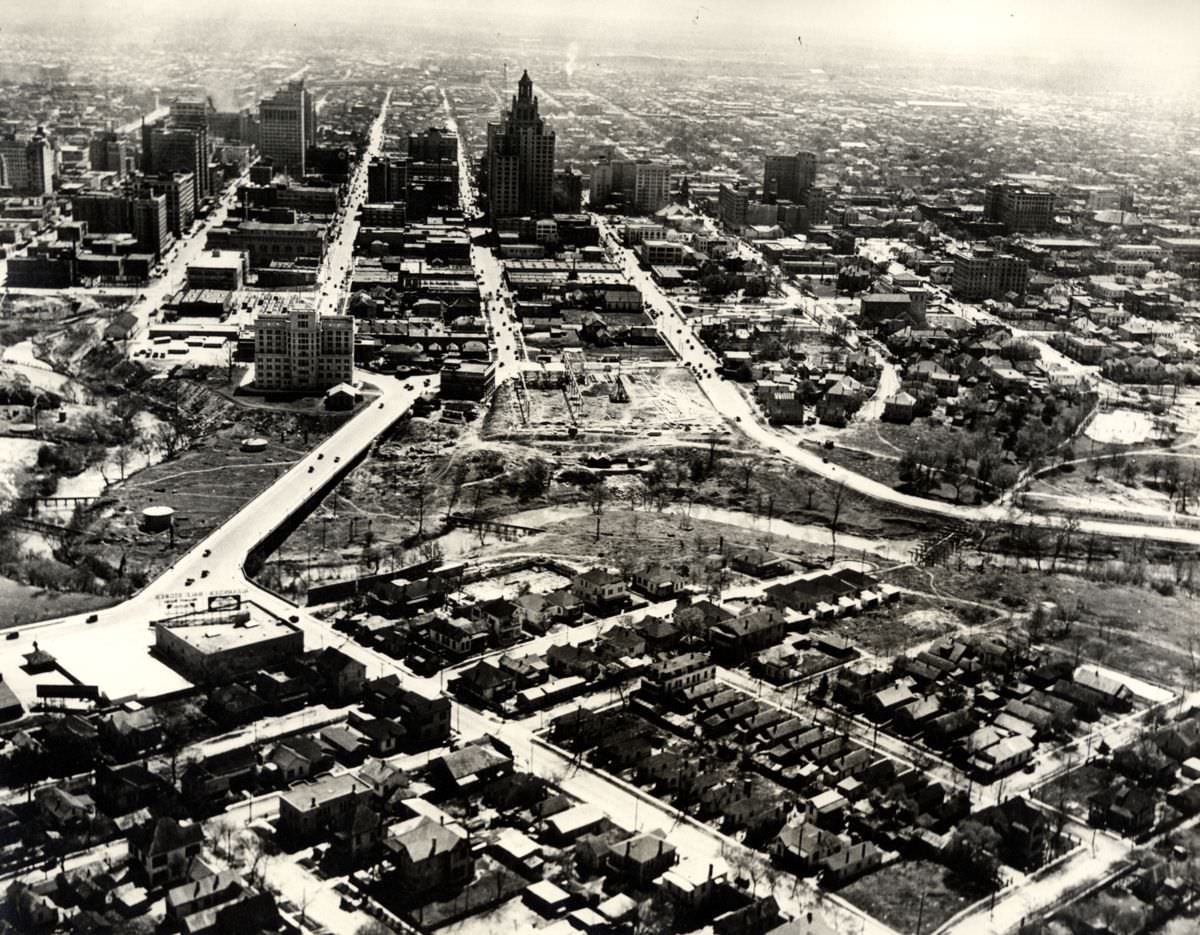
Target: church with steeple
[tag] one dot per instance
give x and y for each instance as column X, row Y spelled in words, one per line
column 519, row 163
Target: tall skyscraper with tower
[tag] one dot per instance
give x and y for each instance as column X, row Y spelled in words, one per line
column 520, row 159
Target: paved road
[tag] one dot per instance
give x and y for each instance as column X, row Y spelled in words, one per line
column 726, row 399
column 337, row 268
column 92, row 651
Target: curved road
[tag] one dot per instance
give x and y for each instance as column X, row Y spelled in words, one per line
column 726, row 399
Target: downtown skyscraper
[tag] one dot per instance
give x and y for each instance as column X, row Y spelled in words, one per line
column 288, row 126
column 520, row 159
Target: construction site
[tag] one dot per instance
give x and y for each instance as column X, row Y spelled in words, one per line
column 615, row 401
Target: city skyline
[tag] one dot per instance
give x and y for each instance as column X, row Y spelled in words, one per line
column 691, row 468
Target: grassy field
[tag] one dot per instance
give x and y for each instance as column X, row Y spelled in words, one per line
column 901, row 893
column 22, row 603
column 1135, row 629
column 635, row 537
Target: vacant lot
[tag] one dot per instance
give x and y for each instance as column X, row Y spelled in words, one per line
column 910, row 896
column 662, row 399
column 205, row 483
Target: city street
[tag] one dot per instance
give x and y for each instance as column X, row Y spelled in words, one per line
column 338, row 264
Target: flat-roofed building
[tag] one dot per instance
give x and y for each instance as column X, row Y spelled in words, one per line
column 298, row 349
column 221, row 649
column 217, row 269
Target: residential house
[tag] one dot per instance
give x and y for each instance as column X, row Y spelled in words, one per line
column 526, row 671
column 826, row 809
column 234, row 704
column 383, row 736
column 566, row 659
column 485, row 684
column 1025, row 832
column 803, row 846
column 668, row 677
column 164, row 849
column 342, row 676
column 758, row 563
column 309, row 811
column 1003, row 757
column 215, row 776
column 383, row 778
column 736, row 638
column 425, row 856
column 196, row 895
column 64, row 810
column 344, row 744
column 500, row 615
column 458, row 636
column 537, row 613
column 282, row 691
column 470, row 766
column 124, row 789
column 1126, row 808
column 641, row 858
column 299, row 758
column 426, row 718
column 131, row 733
column 657, row 582
column 601, row 591
column 852, row 860
column 900, row 408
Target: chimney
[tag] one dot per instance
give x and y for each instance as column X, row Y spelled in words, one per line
column 710, row 871
column 661, row 842
column 432, row 846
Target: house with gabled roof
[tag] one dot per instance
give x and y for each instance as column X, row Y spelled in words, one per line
column 164, row 850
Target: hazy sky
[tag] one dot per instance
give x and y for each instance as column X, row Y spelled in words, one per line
column 1138, row 34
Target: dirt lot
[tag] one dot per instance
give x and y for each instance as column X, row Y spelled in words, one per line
column 663, row 400
column 894, row 629
column 1102, row 485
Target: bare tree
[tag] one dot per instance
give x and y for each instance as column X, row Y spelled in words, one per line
column 596, row 500
column 123, row 456
column 836, row 502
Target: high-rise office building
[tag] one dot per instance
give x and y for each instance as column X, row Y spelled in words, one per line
column 138, row 212
column 568, row 191
column 732, row 205
column 433, row 145
column 1018, row 208
column 150, row 224
column 167, row 148
column 387, row 179
column 300, row 349
column 189, row 112
column 601, row 186
column 984, row 274
column 640, row 185
column 107, row 152
column 651, row 186
column 179, row 188
column 28, row 164
column 785, row 177
column 287, row 127
column 104, row 212
column 520, row 159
